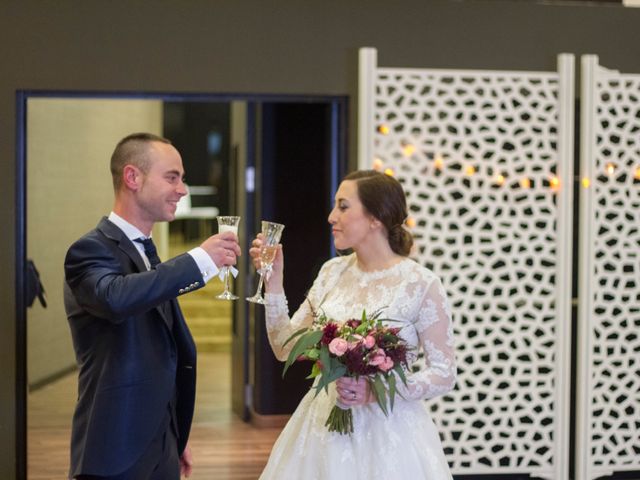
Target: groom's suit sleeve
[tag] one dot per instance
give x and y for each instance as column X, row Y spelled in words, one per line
column 106, row 290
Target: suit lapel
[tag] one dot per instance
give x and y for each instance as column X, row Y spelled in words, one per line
column 110, row 230
column 113, row 232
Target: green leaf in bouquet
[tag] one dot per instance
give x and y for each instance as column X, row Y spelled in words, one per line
column 315, row 371
column 337, row 369
column 332, row 369
column 312, row 354
column 391, row 381
column 334, row 374
column 305, row 342
column 295, row 334
column 362, row 329
column 380, row 392
column 400, row 371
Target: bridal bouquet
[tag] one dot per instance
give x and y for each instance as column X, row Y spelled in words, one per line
column 357, row 348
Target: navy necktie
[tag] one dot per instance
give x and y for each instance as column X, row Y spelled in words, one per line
column 150, row 251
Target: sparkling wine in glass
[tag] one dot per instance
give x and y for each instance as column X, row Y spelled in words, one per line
column 227, row 224
column 271, row 233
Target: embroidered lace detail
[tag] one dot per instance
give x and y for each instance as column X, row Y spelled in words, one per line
column 409, row 295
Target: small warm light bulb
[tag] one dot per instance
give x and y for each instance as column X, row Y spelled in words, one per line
column 586, row 182
column 389, row 172
column 408, row 150
column 383, row 129
column 610, row 168
column 636, row 175
column 410, row 222
column 554, row 183
column 499, row 179
column 525, row 183
column 470, row 170
column 438, row 162
column 377, row 164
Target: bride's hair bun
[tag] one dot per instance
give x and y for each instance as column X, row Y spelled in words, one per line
column 384, row 198
column 400, row 240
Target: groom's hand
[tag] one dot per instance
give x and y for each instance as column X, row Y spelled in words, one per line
column 223, row 248
column 186, row 462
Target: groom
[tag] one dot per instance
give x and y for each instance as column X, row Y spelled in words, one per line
column 136, row 357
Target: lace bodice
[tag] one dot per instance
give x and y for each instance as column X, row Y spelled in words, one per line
column 406, row 292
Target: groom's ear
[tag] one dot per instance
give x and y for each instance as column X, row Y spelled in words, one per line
column 131, row 177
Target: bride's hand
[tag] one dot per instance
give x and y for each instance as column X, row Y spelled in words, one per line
column 352, row 392
column 274, row 284
column 254, row 251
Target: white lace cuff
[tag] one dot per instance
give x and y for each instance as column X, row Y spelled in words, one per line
column 277, row 306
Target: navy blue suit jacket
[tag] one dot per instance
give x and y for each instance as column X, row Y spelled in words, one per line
column 131, row 356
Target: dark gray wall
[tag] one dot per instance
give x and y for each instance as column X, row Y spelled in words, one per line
column 286, row 46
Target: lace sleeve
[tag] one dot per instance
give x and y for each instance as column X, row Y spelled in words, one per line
column 435, row 334
column 280, row 327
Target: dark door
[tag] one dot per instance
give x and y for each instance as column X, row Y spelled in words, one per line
column 300, row 156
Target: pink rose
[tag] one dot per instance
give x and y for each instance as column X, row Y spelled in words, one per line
column 377, row 358
column 369, row 341
column 338, row 346
column 386, row 365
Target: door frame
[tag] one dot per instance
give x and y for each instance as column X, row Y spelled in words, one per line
column 339, row 125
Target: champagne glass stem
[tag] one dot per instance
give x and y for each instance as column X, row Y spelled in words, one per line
column 226, row 279
column 226, row 295
column 260, row 283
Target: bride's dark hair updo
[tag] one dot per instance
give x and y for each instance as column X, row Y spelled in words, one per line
column 383, row 197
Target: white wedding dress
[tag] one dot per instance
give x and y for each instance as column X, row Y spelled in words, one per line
column 405, row 445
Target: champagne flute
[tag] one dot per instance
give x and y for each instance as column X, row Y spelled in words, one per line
column 227, row 224
column 271, row 233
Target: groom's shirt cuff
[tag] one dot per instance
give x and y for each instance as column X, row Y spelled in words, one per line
column 207, row 266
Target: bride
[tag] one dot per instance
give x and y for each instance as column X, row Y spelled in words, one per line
column 367, row 218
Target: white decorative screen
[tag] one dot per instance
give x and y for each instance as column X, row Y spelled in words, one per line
column 485, row 158
column 608, row 438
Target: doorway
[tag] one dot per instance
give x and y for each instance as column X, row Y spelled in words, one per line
column 67, row 187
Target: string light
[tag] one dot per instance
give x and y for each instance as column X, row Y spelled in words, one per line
column 610, row 168
column 410, row 222
column 408, row 149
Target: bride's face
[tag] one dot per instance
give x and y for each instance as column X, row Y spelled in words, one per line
column 351, row 223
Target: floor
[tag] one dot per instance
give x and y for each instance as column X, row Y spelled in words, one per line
column 223, row 446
